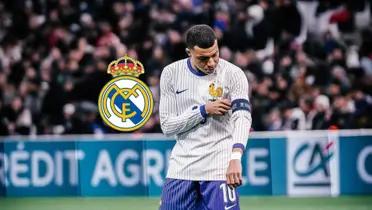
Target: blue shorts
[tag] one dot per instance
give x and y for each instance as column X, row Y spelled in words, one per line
column 198, row 195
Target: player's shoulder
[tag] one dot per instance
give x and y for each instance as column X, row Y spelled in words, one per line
column 230, row 68
column 174, row 67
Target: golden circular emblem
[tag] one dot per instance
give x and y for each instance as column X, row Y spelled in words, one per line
column 125, row 102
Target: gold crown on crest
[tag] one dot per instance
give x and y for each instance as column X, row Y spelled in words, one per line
column 125, row 66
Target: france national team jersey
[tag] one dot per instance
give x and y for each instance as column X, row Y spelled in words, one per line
column 203, row 144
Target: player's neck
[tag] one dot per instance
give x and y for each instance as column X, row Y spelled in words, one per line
column 197, row 69
column 194, row 69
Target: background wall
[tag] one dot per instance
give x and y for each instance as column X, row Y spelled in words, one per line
column 275, row 163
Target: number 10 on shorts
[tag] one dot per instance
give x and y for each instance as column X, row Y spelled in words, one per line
column 228, row 193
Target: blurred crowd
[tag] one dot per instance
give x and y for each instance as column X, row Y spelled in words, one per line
column 308, row 62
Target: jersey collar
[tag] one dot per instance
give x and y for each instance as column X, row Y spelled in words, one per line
column 194, row 71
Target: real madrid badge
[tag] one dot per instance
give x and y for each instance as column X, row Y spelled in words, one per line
column 125, row 102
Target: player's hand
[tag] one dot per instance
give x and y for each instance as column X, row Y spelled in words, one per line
column 234, row 174
column 218, row 107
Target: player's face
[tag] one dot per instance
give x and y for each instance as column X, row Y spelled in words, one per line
column 205, row 60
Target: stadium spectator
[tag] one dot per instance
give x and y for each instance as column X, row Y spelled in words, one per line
column 54, row 54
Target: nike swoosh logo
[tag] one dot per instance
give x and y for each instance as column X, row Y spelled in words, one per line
column 229, row 207
column 180, row 91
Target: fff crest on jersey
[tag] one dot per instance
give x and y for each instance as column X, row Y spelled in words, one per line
column 215, row 92
column 125, row 102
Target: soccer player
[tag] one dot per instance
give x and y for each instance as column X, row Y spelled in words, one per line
column 204, row 104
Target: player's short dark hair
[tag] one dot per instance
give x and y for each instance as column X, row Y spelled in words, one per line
column 202, row 36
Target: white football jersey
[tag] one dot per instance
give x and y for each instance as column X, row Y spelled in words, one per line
column 203, row 143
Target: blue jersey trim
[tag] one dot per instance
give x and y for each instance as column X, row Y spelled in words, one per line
column 239, row 145
column 194, row 71
column 203, row 111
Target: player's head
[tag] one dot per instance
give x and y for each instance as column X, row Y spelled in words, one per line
column 202, row 47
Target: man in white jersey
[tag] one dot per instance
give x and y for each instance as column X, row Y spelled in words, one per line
column 204, row 103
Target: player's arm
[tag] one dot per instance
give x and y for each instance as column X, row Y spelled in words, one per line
column 171, row 122
column 241, row 122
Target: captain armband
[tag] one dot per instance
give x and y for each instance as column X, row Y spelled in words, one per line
column 240, row 104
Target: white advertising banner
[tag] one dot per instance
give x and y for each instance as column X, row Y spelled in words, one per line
column 312, row 168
